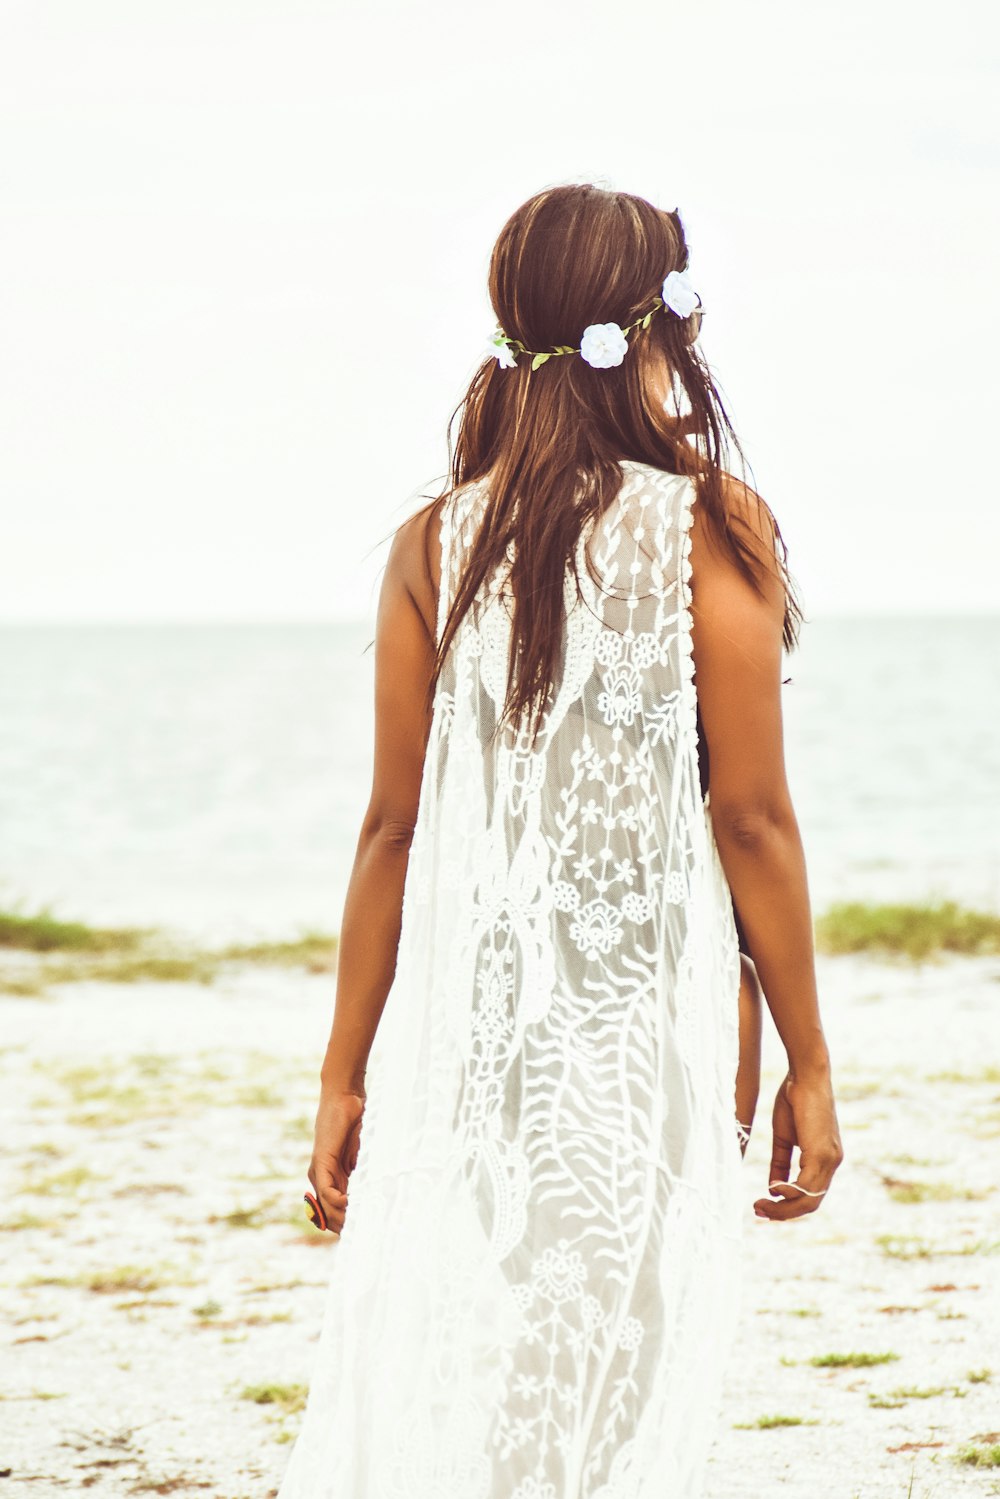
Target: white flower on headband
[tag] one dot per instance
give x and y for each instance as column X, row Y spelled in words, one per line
column 603, row 345
column 679, row 295
column 502, row 352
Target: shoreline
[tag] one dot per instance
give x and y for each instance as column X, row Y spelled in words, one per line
column 40, row 951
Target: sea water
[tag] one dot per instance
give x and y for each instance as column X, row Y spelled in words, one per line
column 213, row 778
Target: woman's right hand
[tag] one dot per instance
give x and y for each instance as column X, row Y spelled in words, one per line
column 804, row 1115
column 336, row 1141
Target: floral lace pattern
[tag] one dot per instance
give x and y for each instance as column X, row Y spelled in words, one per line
column 536, row 1292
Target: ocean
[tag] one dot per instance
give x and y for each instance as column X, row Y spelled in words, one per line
column 212, row 778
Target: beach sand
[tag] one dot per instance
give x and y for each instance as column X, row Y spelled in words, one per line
column 162, row 1291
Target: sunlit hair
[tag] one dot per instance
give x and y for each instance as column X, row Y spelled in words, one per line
column 551, row 438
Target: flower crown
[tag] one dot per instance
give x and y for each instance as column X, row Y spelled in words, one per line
column 602, row 345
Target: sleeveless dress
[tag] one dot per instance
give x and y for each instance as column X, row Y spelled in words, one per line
column 536, row 1290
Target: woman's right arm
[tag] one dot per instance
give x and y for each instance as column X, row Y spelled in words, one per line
column 737, row 634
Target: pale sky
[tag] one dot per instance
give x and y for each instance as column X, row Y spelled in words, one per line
column 243, row 252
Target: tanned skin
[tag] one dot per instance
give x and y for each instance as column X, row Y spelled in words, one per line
column 737, row 635
column 737, row 652
column 372, row 920
column 750, row 1027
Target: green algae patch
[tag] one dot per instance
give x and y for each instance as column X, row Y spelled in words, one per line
column 980, row 1457
column 45, row 951
column 42, row 932
column 907, row 931
column 852, row 1360
column 288, row 1397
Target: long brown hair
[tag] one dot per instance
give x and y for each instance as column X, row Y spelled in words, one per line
column 551, row 437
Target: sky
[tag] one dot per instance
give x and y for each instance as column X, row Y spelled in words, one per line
column 243, row 257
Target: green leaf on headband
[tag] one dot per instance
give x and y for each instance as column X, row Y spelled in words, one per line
column 539, row 359
column 565, row 349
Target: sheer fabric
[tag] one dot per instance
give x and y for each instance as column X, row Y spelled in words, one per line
column 536, row 1290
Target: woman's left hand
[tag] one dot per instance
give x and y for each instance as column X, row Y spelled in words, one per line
column 336, row 1142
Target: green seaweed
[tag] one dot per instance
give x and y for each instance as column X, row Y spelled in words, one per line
column 82, row 953
column 911, row 1247
column 772, row 1423
column 851, row 1360
column 314, row 951
column 914, row 1192
column 207, row 1311
column 140, row 1279
column 979, row 1457
column 289, row 1397
column 42, row 932
column 907, row 931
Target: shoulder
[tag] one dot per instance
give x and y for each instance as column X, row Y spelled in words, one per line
column 414, row 563
column 734, row 502
column 734, row 534
column 749, row 513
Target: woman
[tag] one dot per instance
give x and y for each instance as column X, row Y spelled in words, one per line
column 537, row 1284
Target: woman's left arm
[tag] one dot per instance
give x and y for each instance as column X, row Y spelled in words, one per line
column 370, row 928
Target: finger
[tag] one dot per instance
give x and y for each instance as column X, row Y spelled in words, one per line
column 782, row 1143
column 797, row 1206
column 788, row 1200
column 326, row 1176
column 332, row 1197
column 349, row 1154
column 781, row 1157
column 328, row 1193
column 334, row 1205
column 798, row 1197
column 333, row 1212
column 336, row 1215
column 792, row 1191
column 330, row 1173
column 783, row 1136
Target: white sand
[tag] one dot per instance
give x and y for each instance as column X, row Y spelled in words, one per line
column 138, row 1315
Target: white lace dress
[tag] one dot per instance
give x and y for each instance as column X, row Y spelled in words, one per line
column 536, row 1290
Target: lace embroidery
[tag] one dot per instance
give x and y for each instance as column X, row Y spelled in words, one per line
column 536, row 1292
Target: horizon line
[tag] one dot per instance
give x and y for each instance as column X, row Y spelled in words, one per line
column 326, row 620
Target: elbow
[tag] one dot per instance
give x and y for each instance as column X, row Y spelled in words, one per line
column 393, row 834
column 751, row 827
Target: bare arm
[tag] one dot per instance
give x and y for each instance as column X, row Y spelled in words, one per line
column 737, row 650
column 370, row 928
column 372, row 919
